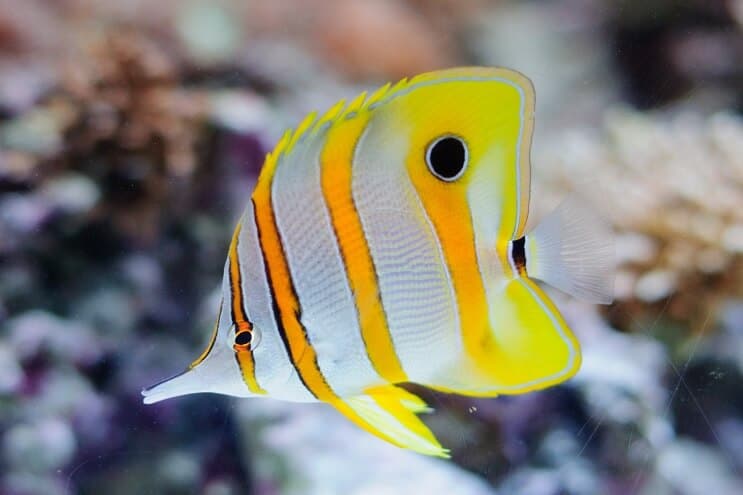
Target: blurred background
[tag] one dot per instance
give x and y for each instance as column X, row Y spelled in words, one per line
column 131, row 133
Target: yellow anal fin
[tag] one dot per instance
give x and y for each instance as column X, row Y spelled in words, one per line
column 389, row 412
column 530, row 347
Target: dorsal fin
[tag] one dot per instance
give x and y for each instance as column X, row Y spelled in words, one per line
column 378, row 94
column 312, row 124
column 301, row 130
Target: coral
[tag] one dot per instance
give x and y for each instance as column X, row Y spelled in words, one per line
column 673, row 189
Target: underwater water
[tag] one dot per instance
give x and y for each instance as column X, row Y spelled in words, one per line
column 131, row 135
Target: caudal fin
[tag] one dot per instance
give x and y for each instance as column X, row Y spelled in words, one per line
column 572, row 249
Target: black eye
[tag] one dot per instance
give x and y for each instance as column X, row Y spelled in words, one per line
column 243, row 338
column 447, row 158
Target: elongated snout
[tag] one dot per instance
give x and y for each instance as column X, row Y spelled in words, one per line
column 217, row 373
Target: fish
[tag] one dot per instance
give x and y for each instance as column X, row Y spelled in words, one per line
column 385, row 244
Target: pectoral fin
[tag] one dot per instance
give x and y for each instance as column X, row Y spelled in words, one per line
column 389, row 412
column 572, row 249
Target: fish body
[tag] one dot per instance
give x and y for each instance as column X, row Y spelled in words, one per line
column 385, row 243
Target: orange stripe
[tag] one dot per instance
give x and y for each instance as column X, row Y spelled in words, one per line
column 453, row 226
column 244, row 356
column 336, row 161
column 286, row 302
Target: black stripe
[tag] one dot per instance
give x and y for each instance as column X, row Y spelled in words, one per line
column 232, row 294
column 275, row 307
column 518, row 254
column 232, row 289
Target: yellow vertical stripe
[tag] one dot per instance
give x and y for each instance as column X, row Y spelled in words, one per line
column 336, row 162
column 244, row 356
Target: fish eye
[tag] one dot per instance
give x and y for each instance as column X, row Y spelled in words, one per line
column 447, row 157
column 246, row 339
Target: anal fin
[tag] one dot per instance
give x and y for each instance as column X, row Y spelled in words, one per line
column 389, row 412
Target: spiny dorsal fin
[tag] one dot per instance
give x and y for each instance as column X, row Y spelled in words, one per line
column 378, row 94
column 311, row 124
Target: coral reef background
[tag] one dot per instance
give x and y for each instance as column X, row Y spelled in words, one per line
column 131, row 134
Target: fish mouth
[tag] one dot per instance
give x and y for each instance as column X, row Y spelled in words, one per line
column 166, row 388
